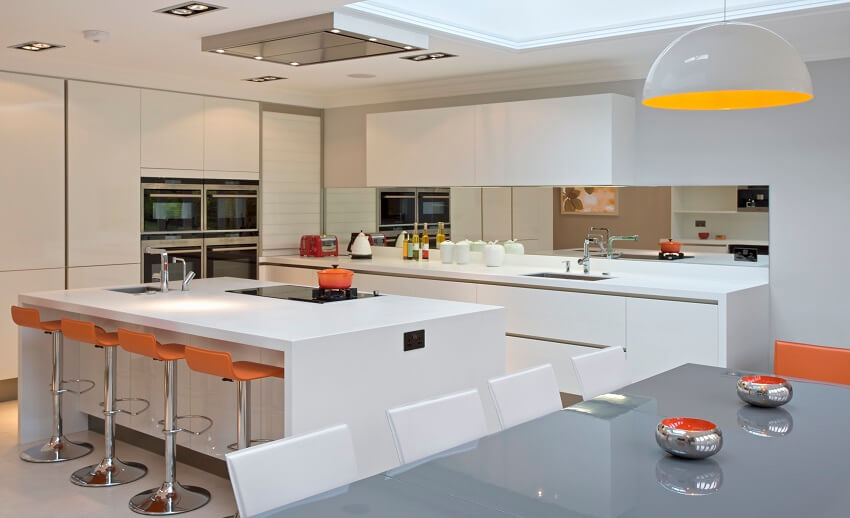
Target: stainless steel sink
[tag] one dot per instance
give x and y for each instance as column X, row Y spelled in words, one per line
column 568, row 276
column 136, row 290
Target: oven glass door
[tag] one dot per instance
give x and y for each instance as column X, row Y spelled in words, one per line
column 433, row 207
column 231, row 208
column 172, row 209
column 398, row 209
column 193, row 255
column 232, row 260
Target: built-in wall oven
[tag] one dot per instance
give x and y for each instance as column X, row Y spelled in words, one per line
column 231, row 205
column 189, row 247
column 211, row 224
column 400, row 208
column 231, row 256
column 171, row 205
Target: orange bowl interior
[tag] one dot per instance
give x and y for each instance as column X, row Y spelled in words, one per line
column 764, row 380
column 689, row 424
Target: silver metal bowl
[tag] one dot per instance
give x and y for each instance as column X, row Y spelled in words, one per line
column 765, row 422
column 689, row 438
column 765, row 391
column 689, row 478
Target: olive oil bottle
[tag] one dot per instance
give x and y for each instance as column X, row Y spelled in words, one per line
column 425, row 242
column 413, row 249
column 441, row 233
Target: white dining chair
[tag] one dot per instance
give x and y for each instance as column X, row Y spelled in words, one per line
column 428, row 427
column 601, row 372
column 525, row 395
column 277, row 473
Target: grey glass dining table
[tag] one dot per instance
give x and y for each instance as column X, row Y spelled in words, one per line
column 599, row 459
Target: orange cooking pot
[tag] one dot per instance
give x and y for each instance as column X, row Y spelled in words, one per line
column 335, row 278
column 670, row 246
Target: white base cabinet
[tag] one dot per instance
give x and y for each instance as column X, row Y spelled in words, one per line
column 552, row 326
column 663, row 334
column 99, row 276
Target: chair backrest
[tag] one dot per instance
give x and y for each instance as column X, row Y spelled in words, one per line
column 525, row 395
column 210, row 362
column 813, row 362
column 601, row 371
column 277, row 473
column 144, row 344
column 428, row 427
column 26, row 317
column 79, row 330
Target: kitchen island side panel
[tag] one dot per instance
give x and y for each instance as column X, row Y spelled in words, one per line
column 369, row 372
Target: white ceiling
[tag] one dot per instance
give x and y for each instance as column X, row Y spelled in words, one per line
column 160, row 51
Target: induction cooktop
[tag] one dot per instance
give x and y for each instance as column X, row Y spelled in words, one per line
column 306, row 294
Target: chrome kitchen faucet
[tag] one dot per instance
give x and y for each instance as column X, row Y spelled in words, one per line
column 163, row 266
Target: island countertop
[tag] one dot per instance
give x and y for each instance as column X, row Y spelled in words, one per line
column 208, row 310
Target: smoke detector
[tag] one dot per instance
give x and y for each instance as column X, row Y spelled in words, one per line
column 95, row 35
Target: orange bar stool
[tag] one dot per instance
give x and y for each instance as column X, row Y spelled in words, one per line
column 813, row 362
column 57, row 448
column 171, row 497
column 221, row 364
column 111, row 471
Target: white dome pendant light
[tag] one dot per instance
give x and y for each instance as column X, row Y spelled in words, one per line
column 727, row 66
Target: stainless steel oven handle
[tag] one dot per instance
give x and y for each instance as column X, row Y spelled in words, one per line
column 398, row 197
column 234, row 249
column 435, row 197
column 175, row 251
column 173, row 195
column 232, row 195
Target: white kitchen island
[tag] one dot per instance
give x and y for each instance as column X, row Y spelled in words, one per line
column 344, row 361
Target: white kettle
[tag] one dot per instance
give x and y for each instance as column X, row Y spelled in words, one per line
column 494, row 254
column 360, row 248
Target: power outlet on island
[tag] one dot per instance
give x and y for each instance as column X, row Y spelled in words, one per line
column 414, row 340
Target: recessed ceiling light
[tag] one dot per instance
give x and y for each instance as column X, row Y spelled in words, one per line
column 294, row 63
column 258, row 57
column 430, row 56
column 361, row 76
column 373, row 39
column 263, row 79
column 408, row 47
column 220, row 51
column 35, row 46
column 187, row 9
column 335, row 31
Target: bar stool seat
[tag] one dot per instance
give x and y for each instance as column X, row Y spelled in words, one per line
column 110, row 471
column 221, row 364
column 57, row 448
column 171, row 497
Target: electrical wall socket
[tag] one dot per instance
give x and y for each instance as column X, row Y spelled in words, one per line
column 414, row 340
column 699, row 223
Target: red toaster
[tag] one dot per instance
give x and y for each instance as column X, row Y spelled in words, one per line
column 319, row 246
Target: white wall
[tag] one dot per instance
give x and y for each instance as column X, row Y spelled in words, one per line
column 802, row 152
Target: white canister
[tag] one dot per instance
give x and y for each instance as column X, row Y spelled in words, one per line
column 477, row 246
column 514, row 247
column 461, row 252
column 446, row 252
column 494, row 254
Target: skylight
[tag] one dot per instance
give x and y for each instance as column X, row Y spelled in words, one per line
column 529, row 24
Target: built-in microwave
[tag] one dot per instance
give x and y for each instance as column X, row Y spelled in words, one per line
column 399, row 208
column 433, row 205
column 753, row 198
column 171, row 205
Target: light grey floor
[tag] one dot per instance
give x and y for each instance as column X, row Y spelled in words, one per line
column 39, row 490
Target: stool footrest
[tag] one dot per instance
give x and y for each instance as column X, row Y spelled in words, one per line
column 179, row 417
column 130, row 412
column 233, row 447
column 78, row 381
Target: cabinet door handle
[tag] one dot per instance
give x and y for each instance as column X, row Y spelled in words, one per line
column 174, row 195
column 233, row 195
column 234, row 249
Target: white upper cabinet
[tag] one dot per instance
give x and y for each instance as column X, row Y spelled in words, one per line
column 584, row 140
column 104, row 203
column 32, row 147
column 172, row 130
column 231, row 135
column 421, row 147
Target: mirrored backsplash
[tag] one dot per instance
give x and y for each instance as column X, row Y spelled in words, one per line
column 711, row 224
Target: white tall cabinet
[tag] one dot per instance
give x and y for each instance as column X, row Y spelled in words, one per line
column 231, row 135
column 103, row 184
column 172, row 130
column 32, row 198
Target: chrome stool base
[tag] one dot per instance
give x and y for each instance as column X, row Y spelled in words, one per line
column 110, row 472
column 169, row 498
column 57, row 449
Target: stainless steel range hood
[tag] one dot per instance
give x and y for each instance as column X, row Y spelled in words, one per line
column 317, row 39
